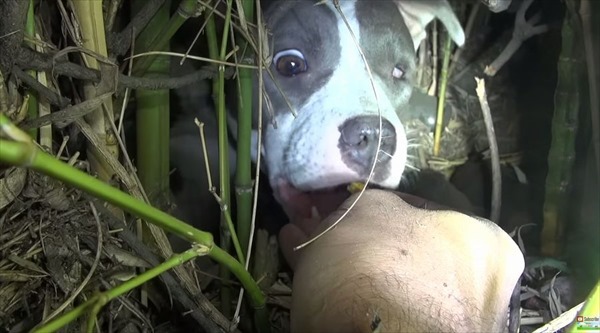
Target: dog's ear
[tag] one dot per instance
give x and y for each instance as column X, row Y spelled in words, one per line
column 418, row 14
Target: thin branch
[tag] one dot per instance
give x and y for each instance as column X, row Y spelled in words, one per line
column 29, row 59
column 66, row 116
column 44, row 92
column 468, row 32
column 489, row 127
column 206, row 72
column 118, row 44
column 202, row 310
column 523, row 31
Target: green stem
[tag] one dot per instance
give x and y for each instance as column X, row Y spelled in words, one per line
column 253, row 290
column 439, row 121
column 222, row 115
column 211, row 39
column 152, row 112
column 213, row 52
column 163, row 33
column 236, row 244
column 243, row 176
column 25, row 154
column 93, row 313
column 94, row 304
column 564, row 131
column 32, row 106
column 224, row 173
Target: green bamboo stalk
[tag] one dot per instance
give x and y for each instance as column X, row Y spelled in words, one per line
column 437, row 138
column 226, row 293
column 32, row 107
column 222, row 114
column 153, row 148
column 95, row 304
column 152, row 113
column 44, row 132
column 243, row 176
column 152, row 117
column 211, row 39
column 564, row 129
column 162, row 33
column 218, row 93
column 261, row 318
column 91, row 23
column 225, row 242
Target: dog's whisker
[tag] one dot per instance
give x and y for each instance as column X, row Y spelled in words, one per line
column 385, row 152
column 412, row 167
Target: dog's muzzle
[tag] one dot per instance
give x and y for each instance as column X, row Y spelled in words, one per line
column 359, row 142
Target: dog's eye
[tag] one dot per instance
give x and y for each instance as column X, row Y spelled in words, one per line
column 398, row 72
column 290, row 62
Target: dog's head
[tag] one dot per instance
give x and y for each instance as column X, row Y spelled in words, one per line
column 318, row 72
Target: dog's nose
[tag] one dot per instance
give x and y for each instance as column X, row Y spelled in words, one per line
column 359, row 138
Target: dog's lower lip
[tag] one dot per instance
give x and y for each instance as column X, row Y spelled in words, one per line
column 328, row 189
column 323, row 190
column 325, row 200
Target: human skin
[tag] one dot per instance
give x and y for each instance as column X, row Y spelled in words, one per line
column 391, row 266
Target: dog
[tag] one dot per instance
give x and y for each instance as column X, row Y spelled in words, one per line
column 336, row 68
column 339, row 78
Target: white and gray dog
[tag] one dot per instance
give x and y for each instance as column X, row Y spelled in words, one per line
column 318, row 70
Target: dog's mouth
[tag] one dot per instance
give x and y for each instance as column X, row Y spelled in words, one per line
column 305, row 204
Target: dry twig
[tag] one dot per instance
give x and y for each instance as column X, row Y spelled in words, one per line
column 523, row 31
column 496, row 175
